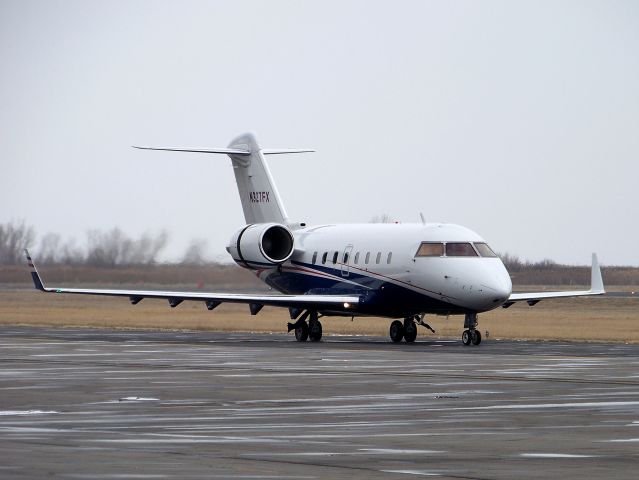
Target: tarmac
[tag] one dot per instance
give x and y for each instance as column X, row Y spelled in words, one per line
column 113, row 404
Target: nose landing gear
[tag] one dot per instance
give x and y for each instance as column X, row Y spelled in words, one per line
column 471, row 334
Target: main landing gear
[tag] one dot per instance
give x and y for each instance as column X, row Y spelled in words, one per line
column 305, row 331
column 408, row 329
column 471, row 334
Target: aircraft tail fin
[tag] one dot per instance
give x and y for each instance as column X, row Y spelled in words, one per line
column 260, row 199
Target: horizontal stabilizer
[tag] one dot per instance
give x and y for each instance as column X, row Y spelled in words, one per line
column 280, row 151
column 252, row 175
column 232, row 151
column 228, row 151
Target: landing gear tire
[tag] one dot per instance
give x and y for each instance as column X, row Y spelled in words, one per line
column 315, row 331
column 301, row 332
column 471, row 334
column 396, row 331
column 410, row 330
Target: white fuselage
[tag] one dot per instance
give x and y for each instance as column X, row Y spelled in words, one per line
column 381, row 260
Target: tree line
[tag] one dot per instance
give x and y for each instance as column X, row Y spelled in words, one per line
column 103, row 248
column 110, row 248
column 515, row 264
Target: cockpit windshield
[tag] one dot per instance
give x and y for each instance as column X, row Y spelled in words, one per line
column 429, row 249
column 460, row 250
column 455, row 249
column 484, row 250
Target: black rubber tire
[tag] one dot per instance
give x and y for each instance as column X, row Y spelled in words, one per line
column 301, row 332
column 466, row 337
column 410, row 331
column 315, row 331
column 476, row 337
column 396, row 331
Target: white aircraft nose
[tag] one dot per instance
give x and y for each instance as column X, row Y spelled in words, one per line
column 499, row 287
column 503, row 291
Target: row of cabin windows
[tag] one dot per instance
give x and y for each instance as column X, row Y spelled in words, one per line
column 426, row 249
column 367, row 258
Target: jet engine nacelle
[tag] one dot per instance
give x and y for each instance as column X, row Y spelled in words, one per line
column 261, row 244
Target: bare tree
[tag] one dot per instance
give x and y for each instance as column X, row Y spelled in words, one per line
column 104, row 248
column 195, row 253
column 114, row 247
column 50, row 248
column 71, row 253
column 157, row 244
column 512, row 262
column 144, row 250
column 515, row 264
column 383, row 218
column 15, row 236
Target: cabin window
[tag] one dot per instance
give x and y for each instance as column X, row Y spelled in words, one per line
column 368, row 257
column 460, row 250
column 379, row 257
column 429, row 249
column 356, row 257
column 484, row 250
column 345, row 258
column 390, row 256
column 335, row 257
column 314, row 258
column 324, row 258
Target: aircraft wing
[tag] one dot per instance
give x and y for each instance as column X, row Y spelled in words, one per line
column 211, row 299
column 532, row 298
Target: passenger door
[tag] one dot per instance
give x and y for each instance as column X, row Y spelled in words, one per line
column 346, row 259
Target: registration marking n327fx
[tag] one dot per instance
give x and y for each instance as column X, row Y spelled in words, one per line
column 259, row 197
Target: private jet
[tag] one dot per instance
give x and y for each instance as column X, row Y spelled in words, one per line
column 402, row 272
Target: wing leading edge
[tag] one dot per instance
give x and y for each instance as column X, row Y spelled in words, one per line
column 596, row 288
column 211, row 299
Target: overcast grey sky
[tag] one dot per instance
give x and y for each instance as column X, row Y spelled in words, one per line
column 519, row 120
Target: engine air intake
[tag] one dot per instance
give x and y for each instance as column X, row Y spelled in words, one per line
column 261, row 244
column 277, row 243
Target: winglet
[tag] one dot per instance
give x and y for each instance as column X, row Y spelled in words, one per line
column 596, row 282
column 37, row 281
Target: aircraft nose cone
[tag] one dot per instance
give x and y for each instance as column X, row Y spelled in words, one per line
column 497, row 286
column 503, row 292
column 500, row 289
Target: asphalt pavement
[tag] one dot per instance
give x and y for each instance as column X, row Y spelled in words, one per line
column 113, row 404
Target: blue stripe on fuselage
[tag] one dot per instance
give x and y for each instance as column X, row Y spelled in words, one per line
column 379, row 296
